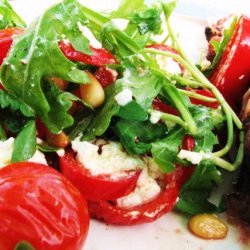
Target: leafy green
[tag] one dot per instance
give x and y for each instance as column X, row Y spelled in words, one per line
column 168, row 7
column 133, row 111
column 221, row 46
column 3, row 136
column 8, row 16
column 44, row 147
column 25, row 143
column 194, row 194
column 206, row 143
column 24, row 245
column 36, row 55
column 137, row 136
column 165, row 151
column 14, row 104
column 147, row 20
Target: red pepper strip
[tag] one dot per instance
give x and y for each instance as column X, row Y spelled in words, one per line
column 105, row 76
column 97, row 187
column 204, row 92
column 41, row 129
column 6, row 39
column 99, row 57
column 232, row 74
column 188, row 143
column 167, row 48
column 163, row 107
column 1, row 87
column 108, row 212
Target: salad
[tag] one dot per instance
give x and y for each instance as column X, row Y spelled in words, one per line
column 113, row 103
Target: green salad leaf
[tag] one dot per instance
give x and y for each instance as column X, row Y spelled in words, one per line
column 24, row 245
column 36, row 55
column 194, row 194
column 9, row 18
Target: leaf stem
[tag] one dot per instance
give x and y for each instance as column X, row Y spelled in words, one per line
column 197, row 96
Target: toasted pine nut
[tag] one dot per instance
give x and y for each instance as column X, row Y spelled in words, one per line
column 92, row 93
column 208, row 226
column 57, row 140
column 60, row 83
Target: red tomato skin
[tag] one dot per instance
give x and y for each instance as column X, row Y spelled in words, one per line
column 232, row 74
column 207, row 93
column 99, row 57
column 149, row 212
column 39, row 205
column 99, row 187
column 105, row 76
column 6, row 39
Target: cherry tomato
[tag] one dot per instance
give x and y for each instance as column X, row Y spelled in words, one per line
column 6, row 39
column 163, row 107
column 165, row 201
column 204, row 92
column 99, row 57
column 96, row 187
column 105, row 76
column 40, row 206
column 232, row 74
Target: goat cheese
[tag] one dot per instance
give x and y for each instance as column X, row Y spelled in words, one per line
column 168, row 64
column 38, row 157
column 111, row 160
column 155, row 117
column 124, row 97
column 145, row 191
column 193, row 157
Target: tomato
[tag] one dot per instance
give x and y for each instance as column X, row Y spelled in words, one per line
column 96, row 187
column 163, row 107
column 40, row 206
column 105, row 76
column 99, row 57
column 6, row 39
column 232, row 74
column 188, row 143
column 110, row 213
column 204, row 92
column 42, row 131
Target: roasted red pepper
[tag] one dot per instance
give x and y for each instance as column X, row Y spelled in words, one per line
column 97, row 187
column 99, row 57
column 105, row 76
column 6, row 39
column 163, row 107
column 232, row 74
column 188, row 143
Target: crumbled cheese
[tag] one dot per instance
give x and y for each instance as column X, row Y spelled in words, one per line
column 205, row 64
column 153, row 168
column 38, row 157
column 193, row 157
column 145, row 191
column 112, row 160
column 168, row 64
column 155, row 116
column 6, row 149
column 124, row 97
column 60, row 152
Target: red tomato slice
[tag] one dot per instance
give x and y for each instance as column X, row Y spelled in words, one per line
column 40, row 206
column 204, row 92
column 99, row 57
column 6, row 39
column 108, row 212
column 232, row 74
column 96, row 187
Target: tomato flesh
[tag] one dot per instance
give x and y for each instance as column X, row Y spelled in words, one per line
column 232, row 74
column 40, row 206
column 97, row 187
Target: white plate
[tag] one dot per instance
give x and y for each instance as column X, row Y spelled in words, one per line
column 169, row 232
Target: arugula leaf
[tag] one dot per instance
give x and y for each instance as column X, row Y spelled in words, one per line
column 137, row 136
column 147, row 20
column 168, row 7
column 14, row 104
column 126, row 8
column 221, row 46
column 165, row 151
column 3, row 136
column 8, row 16
column 36, row 55
column 194, row 194
column 25, row 143
column 206, row 143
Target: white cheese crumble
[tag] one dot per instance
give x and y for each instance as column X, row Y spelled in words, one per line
column 60, row 152
column 155, row 116
column 168, row 64
column 145, row 191
column 6, row 149
column 124, row 97
column 193, row 157
column 112, row 160
column 205, row 64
